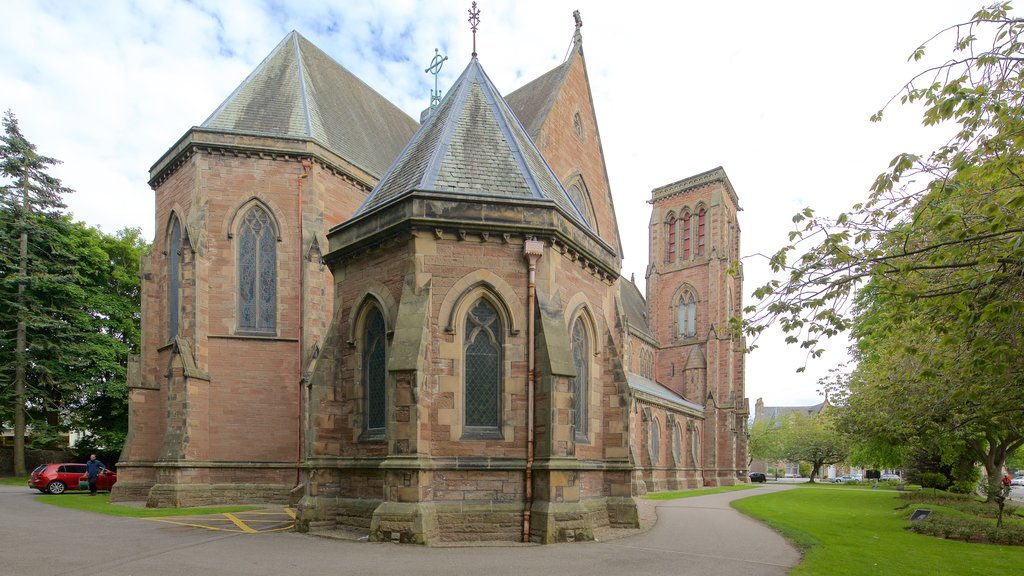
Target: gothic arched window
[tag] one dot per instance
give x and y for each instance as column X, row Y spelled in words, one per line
column 655, row 441
column 700, row 231
column 677, row 444
column 670, row 250
column 483, row 345
column 174, row 278
column 257, row 273
column 581, row 384
column 374, row 370
column 686, row 236
column 686, row 315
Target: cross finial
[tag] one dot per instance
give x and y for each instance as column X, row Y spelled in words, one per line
column 474, row 21
column 435, row 69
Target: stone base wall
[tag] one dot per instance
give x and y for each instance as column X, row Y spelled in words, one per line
column 189, row 495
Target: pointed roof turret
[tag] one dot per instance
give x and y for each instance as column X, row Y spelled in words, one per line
column 473, row 145
column 298, row 91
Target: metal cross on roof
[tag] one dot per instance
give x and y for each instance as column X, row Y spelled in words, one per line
column 474, row 21
column 435, row 69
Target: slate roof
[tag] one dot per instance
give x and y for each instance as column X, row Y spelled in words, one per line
column 778, row 412
column 299, row 91
column 635, row 308
column 532, row 102
column 473, row 144
column 641, row 384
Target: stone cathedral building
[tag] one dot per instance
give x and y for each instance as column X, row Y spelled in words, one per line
column 420, row 330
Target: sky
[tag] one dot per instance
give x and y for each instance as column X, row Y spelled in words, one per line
column 777, row 93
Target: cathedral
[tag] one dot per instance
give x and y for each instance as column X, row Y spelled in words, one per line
column 419, row 329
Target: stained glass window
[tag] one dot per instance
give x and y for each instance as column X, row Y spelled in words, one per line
column 483, row 346
column 686, row 315
column 581, row 384
column 257, row 273
column 174, row 279
column 374, row 371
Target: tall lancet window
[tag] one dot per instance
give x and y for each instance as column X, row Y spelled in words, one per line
column 174, row 278
column 670, row 250
column 686, row 236
column 374, row 371
column 581, row 384
column 686, row 315
column 483, row 345
column 700, row 231
column 257, row 273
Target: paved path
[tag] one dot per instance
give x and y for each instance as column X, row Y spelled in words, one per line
column 700, row 535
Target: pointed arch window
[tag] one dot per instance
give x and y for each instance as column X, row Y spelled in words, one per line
column 581, row 384
column 686, row 315
column 483, row 345
column 670, row 251
column 677, row 444
column 374, row 371
column 686, row 236
column 257, row 273
column 700, row 231
column 655, row 441
column 174, row 278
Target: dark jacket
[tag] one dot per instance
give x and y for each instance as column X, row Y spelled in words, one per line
column 93, row 468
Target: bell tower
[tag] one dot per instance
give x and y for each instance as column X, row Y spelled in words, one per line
column 694, row 286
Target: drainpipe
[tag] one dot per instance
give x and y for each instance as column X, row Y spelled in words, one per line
column 303, row 406
column 533, row 249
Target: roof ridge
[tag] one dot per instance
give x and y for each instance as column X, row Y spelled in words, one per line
column 244, row 83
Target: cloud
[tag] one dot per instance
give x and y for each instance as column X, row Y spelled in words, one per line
column 778, row 94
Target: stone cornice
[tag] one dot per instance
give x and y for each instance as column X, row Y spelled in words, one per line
column 702, row 179
column 462, row 218
column 212, row 142
column 645, row 398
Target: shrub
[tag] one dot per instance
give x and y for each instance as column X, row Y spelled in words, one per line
column 963, row 487
column 970, row 529
column 933, row 480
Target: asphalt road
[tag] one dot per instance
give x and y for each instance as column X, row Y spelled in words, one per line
column 700, row 535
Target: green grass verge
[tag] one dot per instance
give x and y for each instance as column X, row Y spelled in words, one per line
column 14, row 481
column 100, row 504
column 860, row 532
column 697, row 492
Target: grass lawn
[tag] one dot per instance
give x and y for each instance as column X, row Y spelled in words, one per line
column 14, row 481
column 100, row 504
column 862, row 532
column 697, row 492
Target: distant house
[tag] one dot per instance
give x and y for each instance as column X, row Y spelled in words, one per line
column 779, row 413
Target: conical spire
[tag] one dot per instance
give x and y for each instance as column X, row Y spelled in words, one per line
column 473, row 145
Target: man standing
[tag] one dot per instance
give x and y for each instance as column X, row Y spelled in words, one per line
column 92, row 469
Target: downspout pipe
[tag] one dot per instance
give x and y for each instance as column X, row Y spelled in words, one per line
column 303, row 406
column 533, row 249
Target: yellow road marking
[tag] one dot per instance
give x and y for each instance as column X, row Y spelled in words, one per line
column 241, row 524
column 245, row 528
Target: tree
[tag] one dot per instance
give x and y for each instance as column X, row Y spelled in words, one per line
column 799, row 437
column 972, row 195
column 942, row 373
column 74, row 293
column 937, row 253
column 812, row 439
column 31, row 192
column 763, row 443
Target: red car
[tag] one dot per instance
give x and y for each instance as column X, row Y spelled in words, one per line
column 56, row 478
